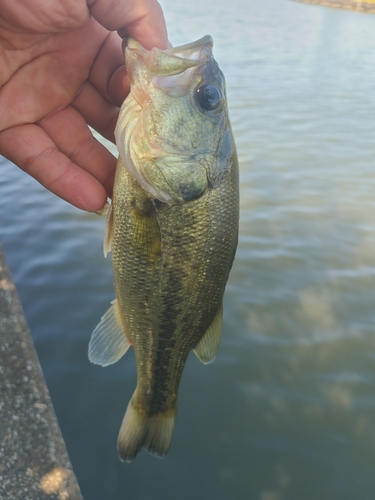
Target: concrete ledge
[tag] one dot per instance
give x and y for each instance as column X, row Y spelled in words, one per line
column 34, row 463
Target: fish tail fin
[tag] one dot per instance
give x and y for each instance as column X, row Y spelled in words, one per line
column 138, row 429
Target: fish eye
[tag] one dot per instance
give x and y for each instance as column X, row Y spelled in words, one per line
column 209, row 97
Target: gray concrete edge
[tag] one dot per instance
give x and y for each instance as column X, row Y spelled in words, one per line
column 34, row 462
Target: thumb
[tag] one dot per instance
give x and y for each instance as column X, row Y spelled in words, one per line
column 142, row 19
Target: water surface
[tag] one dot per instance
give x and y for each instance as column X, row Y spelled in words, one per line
column 287, row 411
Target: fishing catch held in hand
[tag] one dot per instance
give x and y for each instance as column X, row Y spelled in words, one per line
column 172, row 228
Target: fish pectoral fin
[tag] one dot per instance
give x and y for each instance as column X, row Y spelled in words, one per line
column 208, row 346
column 107, row 244
column 108, row 341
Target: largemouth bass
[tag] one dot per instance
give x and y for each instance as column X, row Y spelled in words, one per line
column 172, row 228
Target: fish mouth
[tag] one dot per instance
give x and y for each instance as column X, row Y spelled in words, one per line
column 172, row 61
column 193, row 50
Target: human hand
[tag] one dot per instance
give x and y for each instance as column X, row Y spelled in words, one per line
column 62, row 69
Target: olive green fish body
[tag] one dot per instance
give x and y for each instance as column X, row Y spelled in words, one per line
column 172, row 230
column 171, row 267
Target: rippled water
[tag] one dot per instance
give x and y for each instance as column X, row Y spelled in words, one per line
column 287, row 411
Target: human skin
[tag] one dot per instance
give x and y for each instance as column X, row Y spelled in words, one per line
column 62, row 70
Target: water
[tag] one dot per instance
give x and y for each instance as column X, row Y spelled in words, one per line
column 287, row 411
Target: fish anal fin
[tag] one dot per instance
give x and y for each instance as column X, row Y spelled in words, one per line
column 140, row 430
column 107, row 244
column 208, row 346
column 108, row 341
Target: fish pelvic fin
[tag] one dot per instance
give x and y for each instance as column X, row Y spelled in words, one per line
column 104, row 209
column 208, row 346
column 108, row 341
column 140, row 430
column 107, row 244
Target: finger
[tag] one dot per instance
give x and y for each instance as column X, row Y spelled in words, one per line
column 119, row 85
column 30, row 94
column 141, row 19
column 108, row 73
column 97, row 111
column 29, row 147
column 71, row 135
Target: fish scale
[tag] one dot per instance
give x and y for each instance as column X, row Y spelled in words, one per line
column 171, row 259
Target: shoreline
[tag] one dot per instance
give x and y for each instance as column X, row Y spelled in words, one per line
column 368, row 7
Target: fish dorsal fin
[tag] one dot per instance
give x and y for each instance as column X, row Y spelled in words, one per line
column 108, row 231
column 208, row 346
column 108, row 341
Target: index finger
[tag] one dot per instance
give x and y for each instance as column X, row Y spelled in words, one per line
column 142, row 19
